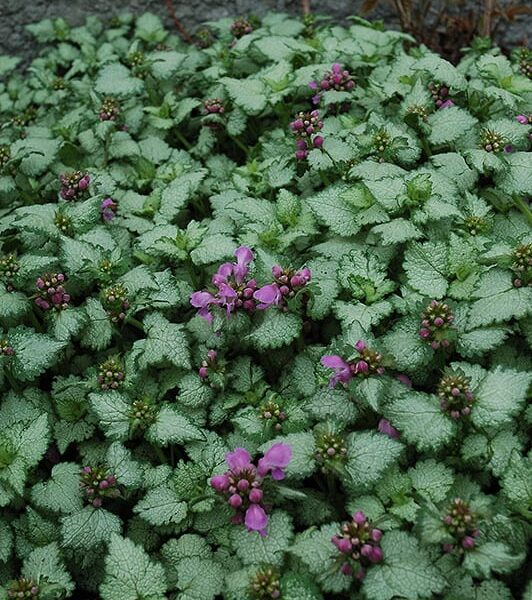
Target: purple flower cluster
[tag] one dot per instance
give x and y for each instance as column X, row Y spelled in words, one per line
column 108, row 208
column 233, row 291
column 73, row 185
column 241, row 27
column 455, row 396
column 440, row 95
column 305, row 127
column 111, row 374
column 337, row 78
column 109, row 110
column 286, row 285
column 368, row 362
column 6, row 349
column 23, row 588
column 435, row 323
column 460, row 523
column 51, row 293
column 359, row 544
column 242, row 483
column 115, row 302
column 207, row 364
column 97, row 485
column 213, row 106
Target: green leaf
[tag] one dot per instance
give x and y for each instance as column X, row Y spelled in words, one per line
column 45, row 565
column 369, row 454
column 99, row 331
column 431, row 479
column 131, row 574
column 34, row 352
column 6, row 541
column 491, row 556
column 112, row 409
column 408, row 350
column 274, row 329
column 426, row 268
column 116, row 80
column 406, row 571
column 420, row 420
column 161, row 506
column 88, row 528
column 171, row 427
column 199, row 579
column 332, row 210
column 248, row 94
column 517, row 484
column 517, row 179
column 499, row 397
column 449, row 124
column 61, row 493
column 254, row 549
column 165, row 343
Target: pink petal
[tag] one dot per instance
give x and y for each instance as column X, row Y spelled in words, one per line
column 201, row 299
column 256, row 519
column 239, row 459
column 279, row 455
column 333, row 361
column 268, row 295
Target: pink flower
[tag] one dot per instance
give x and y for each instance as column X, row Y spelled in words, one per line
column 243, row 257
column 203, row 300
column 239, row 459
column 387, row 428
column 522, row 119
column 256, row 519
column 446, row 104
column 268, row 295
column 342, row 369
column 275, row 460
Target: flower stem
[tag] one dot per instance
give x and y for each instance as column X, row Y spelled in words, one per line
column 522, row 206
column 135, row 322
column 183, row 140
column 239, row 144
column 12, row 381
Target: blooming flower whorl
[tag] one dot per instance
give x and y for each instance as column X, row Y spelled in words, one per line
column 368, row 363
column 436, row 322
column 455, row 396
column 51, row 293
column 108, row 208
column 241, row 27
column 98, row 484
column 440, row 95
column 242, row 484
column 73, row 185
column 286, row 285
column 359, row 545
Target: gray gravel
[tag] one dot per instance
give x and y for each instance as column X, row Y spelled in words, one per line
column 15, row 14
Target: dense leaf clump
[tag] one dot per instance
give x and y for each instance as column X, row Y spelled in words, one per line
column 265, row 306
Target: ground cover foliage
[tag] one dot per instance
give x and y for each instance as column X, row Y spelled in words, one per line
column 265, row 311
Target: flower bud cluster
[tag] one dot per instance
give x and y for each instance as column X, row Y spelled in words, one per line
column 115, row 302
column 265, row 584
column 491, row 141
column 62, row 222
column 440, row 95
column 242, row 483
column 73, row 185
column 98, row 484
column 51, row 292
column 337, row 79
column 142, row 413
column 460, row 523
column 241, row 27
column 25, row 117
column 476, row 224
column 455, row 395
column 209, row 363
column 23, row 588
column 59, row 84
column 213, row 106
column 381, row 141
column 6, row 349
column 522, row 265
column 272, row 413
column 204, row 38
column 9, row 268
column 136, row 59
column 111, row 374
column 108, row 209
column 435, row 324
column 109, row 110
column 525, row 62
column 5, row 155
column 418, row 109
column 305, row 127
column 359, row 545
column 331, row 450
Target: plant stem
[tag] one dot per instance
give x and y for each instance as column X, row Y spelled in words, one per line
column 182, row 139
column 522, row 206
column 180, row 27
column 240, row 145
column 135, row 322
column 12, row 381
